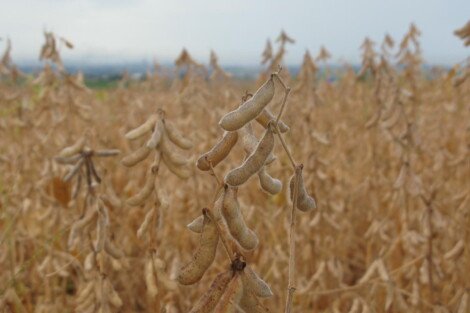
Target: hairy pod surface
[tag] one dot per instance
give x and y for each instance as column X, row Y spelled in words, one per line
column 157, row 134
column 254, row 162
column 256, row 285
column 197, row 224
column 142, row 129
column 136, row 156
column 204, row 255
column 250, row 109
column 249, row 302
column 268, row 183
column 231, row 297
column 304, row 201
column 266, row 116
column 219, row 152
column 176, row 137
column 235, row 221
column 211, row 297
column 250, row 142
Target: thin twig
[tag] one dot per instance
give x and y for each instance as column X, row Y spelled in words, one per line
column 292, row 279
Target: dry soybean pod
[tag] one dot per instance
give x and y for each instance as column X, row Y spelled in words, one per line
column 235, row 221
column 249, row 302
column 254, row 162
column 204, row 255
column 145, row 224
column 157, row 134
column 150, row 280
column 219, row 152
column 197, row 224
column 142, row 129
column 255, row 284
column 68, row 160
column 73, row 149
column 250, row 109
column 304, row 201
column 176, row 137
column 231, row 297
column 174, row 157
column 136, row 156
column 145, row 192
column 180, row 171
column 211, row 297
column 74, row 170
column 268, row 183
column 250, row 142
column 266, row 116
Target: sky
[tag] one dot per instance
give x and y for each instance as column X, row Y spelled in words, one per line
column 105, row 31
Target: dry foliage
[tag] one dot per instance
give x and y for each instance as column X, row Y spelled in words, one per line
column 383, row 191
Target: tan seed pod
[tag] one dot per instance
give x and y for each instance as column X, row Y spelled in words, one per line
column 456, row 251
column 254, row 162
column 266, row 116
column 211, row 297
column 174, row 157
column 219, row 152
column 197, row 224
column 85, row 292
column 304, row 201
column 268, row 183
column 228, row 303
column 157, row 134
column 112, row 250
column 145, row 192
column 235, row 221
column 68, row 160
column 136, row 156
column 204, row 255
column 101, row 228
column 176, row 137
column 78, row 225
column 250, row 142
column 249, row 302
column 74, row 170
column 73, row 149
column 182, row 172
column 150, row 280
column 250, row 109
column 142, row 129
column 256, row 285
column 145, row 224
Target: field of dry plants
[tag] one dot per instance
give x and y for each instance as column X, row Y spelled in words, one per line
column 205, row 193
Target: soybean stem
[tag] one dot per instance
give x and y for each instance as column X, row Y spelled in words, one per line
column 292, row 279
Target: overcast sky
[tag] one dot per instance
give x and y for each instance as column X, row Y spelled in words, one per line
column 128, row 30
